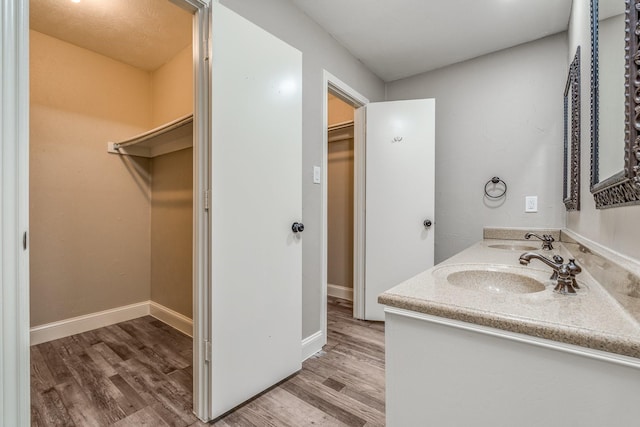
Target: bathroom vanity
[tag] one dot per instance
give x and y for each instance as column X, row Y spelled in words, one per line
column 480, row 340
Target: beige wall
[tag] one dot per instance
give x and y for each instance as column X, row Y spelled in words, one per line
column 106, row 230
column 340, row 213
column 89, row 209
column 615, row 228
column 172, row 192
column 171, row 231
column 173, row 88
column 340, row 199
column 338, row 110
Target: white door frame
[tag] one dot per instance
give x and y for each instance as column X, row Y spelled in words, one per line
column 14, row 208
column 15, row 402
column 201, row 195
column 331, row 83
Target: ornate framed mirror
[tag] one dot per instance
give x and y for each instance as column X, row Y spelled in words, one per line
column 571, row 181
column 615, row 102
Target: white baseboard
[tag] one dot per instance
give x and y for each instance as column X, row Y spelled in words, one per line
column 339, row 291
column 76, row 325
column 312, row 344
column 171, row 318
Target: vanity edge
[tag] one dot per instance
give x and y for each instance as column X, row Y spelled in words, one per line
column 568, row 335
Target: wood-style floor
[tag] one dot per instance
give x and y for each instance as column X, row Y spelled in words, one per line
column 139, row 373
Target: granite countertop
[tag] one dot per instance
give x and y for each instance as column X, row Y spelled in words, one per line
column 592, row 318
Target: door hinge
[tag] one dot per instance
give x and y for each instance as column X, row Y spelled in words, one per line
column 207, row 196
column 206, row 37
column 207, row 351
column 24, row 241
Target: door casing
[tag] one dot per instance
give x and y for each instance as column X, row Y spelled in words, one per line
column 332, row 84
column 201, row 195
column 14, row 214
column 14, row 164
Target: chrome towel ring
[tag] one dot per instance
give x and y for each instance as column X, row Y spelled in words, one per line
column 495, row 181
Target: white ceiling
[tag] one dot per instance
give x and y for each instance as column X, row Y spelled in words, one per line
column 393, row 38
column 142, row 33
column 401, row 38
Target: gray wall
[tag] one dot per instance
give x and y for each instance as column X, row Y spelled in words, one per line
column 615, row 228
column 320, row 51
column 497, row 115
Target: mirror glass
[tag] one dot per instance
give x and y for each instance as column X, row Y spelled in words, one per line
column 611, row 61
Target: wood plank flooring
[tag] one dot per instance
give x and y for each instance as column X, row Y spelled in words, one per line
column 139, row 373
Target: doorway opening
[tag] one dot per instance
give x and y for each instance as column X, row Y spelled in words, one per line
column 118, row 235
column 340, row 200
column 343, row 196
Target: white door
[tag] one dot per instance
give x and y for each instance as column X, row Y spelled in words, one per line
column 256, row 197
column 400, row 151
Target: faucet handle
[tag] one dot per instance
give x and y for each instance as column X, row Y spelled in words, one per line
column 547, row 242
column 573, row 267
column 573, row 270
column 558, row 260
column 565, row 284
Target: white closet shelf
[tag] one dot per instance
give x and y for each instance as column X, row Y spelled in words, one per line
column 173, row 136
column 341, row 131
column 341, row 125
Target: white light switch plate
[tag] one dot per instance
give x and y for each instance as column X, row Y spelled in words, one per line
column 316, row 174
column 531, row 204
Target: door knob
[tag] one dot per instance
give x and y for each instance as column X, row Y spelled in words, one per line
column 297, row 227
column 427, row 223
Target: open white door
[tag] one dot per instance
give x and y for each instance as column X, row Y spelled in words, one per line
column 400, row 168
column 256, row 197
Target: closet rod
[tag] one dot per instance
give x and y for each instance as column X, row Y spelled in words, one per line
column 339, row 126
column 167, row 127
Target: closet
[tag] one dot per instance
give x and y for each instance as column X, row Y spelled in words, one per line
column 340, row 199
column 111, row 169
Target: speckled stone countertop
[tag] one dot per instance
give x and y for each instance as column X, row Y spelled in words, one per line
column 592, row 318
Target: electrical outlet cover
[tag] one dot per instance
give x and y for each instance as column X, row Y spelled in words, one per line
column 531, row 204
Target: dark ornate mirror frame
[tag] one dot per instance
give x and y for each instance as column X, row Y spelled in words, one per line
column 572, row 128
column 622, row 188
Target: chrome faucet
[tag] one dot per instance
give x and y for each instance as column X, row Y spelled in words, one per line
column 564, row 274
column 547, row 239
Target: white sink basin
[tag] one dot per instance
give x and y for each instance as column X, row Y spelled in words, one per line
column 493, row 278
column 498, row 282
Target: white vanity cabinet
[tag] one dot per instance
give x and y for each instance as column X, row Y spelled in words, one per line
column 443, row 372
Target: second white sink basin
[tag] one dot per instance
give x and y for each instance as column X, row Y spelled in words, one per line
column 514, row 247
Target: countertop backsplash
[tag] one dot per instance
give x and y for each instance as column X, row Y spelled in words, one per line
column 618, row 275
